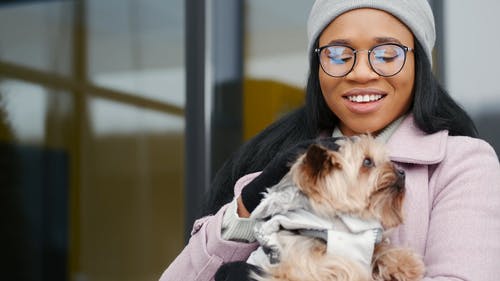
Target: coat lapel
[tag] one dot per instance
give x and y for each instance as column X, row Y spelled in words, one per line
column 410, row 145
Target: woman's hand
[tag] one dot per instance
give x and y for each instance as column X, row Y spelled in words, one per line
column 279, row 166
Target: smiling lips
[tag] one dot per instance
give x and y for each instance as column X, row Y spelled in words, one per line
column 363, row 101
column 364, row 98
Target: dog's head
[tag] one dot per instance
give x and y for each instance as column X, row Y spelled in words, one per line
column 357, row 179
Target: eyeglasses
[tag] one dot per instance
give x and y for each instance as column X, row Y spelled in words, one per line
column 386, row 59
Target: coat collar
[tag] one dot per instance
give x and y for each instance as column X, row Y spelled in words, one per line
column 410, row 145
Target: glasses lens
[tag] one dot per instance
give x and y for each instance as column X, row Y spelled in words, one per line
column 337, row 61
column 387, row 60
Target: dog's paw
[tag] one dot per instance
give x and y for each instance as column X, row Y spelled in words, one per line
column 398, row 264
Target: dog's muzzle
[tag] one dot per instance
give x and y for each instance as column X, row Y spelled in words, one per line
column 400, row 180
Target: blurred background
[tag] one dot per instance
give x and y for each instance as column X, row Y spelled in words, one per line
column 115, row 114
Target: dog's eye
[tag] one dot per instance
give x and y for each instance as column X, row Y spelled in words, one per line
column 368, row 162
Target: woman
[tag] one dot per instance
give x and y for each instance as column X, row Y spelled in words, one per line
column 370, row 71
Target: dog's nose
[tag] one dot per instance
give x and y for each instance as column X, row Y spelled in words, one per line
column 400, row 181
column 400, row 173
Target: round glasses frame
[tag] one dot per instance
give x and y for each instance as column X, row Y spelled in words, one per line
column 404, row 48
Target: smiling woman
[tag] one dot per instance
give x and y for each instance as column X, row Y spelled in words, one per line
column 348, row 97
column 392, row 94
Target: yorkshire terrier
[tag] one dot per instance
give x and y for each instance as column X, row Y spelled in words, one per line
column 328, row 219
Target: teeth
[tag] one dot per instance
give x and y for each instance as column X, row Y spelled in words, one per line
column 364, row 98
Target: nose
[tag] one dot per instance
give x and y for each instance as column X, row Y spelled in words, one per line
column 400, row 181
column 362, row 71
column 401, row 173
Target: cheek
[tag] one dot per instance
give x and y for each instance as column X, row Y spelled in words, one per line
column 329, row 87
column 323, row 81
column 404, row 83
column 404, row 91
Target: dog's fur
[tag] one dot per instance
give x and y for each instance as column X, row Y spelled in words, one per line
column 358, row 180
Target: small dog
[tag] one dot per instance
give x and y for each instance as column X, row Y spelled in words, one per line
column 328, row 220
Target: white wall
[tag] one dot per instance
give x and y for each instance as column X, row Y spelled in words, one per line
column 472, row 53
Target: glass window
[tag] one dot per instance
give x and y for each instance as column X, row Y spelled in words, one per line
column 131, row 201
column 136, row 47
column 92, row 138
column 38, row 35
column 35, row 160
column 275, row 64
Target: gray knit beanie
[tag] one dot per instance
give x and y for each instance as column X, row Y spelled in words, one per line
column 416, row 14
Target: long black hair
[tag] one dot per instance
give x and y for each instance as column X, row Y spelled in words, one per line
column 433, row 110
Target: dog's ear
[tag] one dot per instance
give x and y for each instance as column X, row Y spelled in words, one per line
column 318, row 160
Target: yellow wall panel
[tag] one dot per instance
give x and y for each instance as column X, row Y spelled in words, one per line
column 265, row 101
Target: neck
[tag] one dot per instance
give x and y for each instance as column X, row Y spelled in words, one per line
column 382, row 136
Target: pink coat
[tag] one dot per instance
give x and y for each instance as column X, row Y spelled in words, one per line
column 452, row 212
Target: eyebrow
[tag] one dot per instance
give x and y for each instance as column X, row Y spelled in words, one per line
column 381, row 40
column 339, row 42
column 378, row 40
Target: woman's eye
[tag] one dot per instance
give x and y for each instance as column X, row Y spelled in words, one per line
column 386, row 58
column 367, row 162
column 338, row 54
column 386, row 55
column 339, row 59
